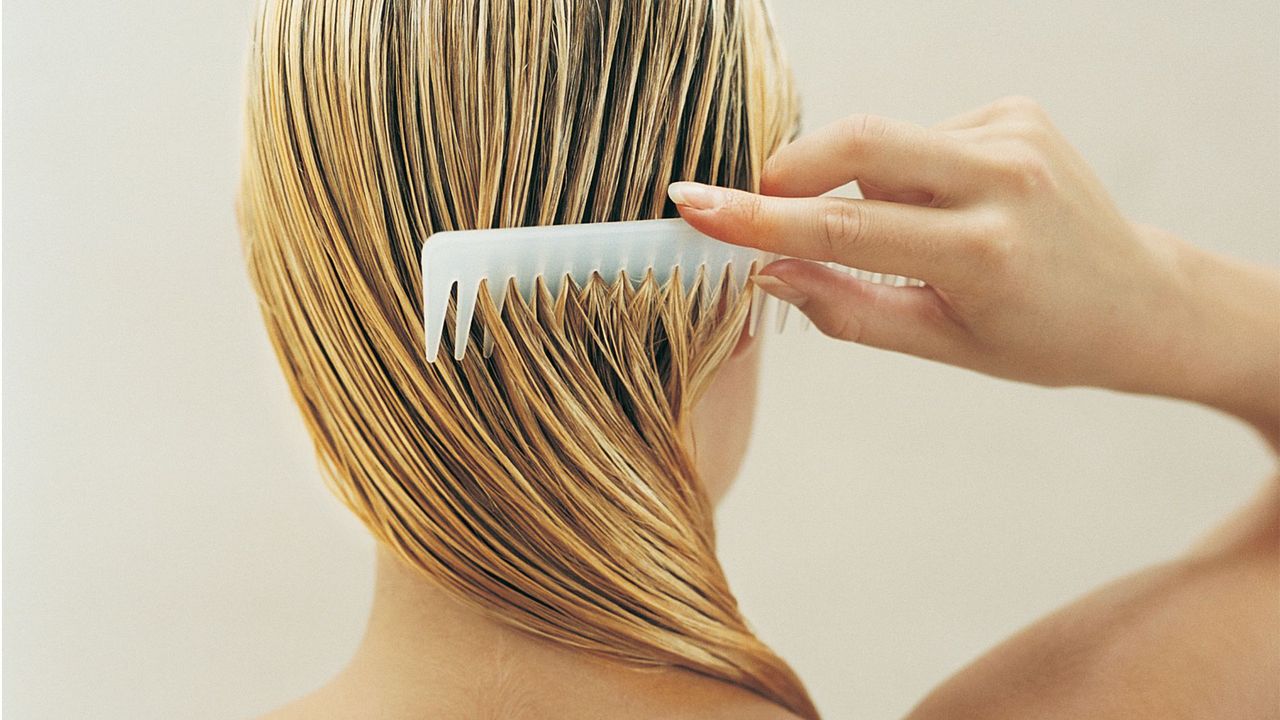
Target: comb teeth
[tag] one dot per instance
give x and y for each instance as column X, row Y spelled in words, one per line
column 525, row 254
column 468, row 258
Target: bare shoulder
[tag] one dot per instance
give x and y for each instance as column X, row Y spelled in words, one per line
column 1195, row 637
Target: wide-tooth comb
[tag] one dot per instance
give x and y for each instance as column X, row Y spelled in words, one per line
column 552, row 252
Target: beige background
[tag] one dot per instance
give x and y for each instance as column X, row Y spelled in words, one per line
column 169, row 550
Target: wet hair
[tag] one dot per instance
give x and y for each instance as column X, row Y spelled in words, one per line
column 550, row 485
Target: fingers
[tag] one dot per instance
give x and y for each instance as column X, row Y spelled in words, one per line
column 910, row 197
column 906, row 319
column 892, row 155
column 968, row 119
column 927, row 243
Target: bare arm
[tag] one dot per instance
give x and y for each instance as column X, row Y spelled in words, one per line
column 1033, row 274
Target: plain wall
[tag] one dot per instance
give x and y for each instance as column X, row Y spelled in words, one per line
column 170, row 549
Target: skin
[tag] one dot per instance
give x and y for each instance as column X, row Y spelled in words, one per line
column 719, row 446
column 1033, row 274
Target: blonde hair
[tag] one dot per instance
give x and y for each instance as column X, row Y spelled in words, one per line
column 551, row 484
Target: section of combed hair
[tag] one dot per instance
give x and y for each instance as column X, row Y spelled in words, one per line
column 551, row 484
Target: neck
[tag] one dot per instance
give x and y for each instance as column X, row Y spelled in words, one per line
column 426, row 654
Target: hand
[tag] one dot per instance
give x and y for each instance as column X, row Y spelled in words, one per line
column 1032, row 272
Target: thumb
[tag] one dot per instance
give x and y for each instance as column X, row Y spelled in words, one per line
column 912, row 320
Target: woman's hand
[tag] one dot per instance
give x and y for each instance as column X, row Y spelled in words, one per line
column 1032, row 272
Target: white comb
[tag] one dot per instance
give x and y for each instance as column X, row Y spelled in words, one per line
column 552, row 252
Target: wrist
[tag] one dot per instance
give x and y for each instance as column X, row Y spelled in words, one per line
column 1228, row 352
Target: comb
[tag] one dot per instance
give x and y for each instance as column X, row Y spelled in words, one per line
column 490, row 259
column 556, row 252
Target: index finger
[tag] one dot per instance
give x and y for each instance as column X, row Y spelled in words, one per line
column 937, row 245
column 890, row 154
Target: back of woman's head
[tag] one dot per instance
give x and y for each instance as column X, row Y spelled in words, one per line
column 551, row 484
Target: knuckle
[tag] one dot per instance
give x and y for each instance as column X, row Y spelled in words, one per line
column 1031, row 134
column 847, row 327
column 1024, row 171
column 838, row 325
column 747, row 207
column 859, row 130
column 1021, row 105
column 842, row 226
column 990, row 242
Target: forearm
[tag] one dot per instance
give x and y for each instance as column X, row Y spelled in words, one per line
column 1223, row 339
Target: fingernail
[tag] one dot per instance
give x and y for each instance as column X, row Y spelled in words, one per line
column 694, row 195
column 779, row 288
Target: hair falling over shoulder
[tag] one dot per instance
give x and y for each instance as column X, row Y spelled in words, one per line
column 550, row 485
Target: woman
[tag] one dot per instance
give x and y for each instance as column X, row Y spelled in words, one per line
column 544, row 516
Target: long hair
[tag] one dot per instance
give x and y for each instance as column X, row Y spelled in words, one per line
column 551, row 484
